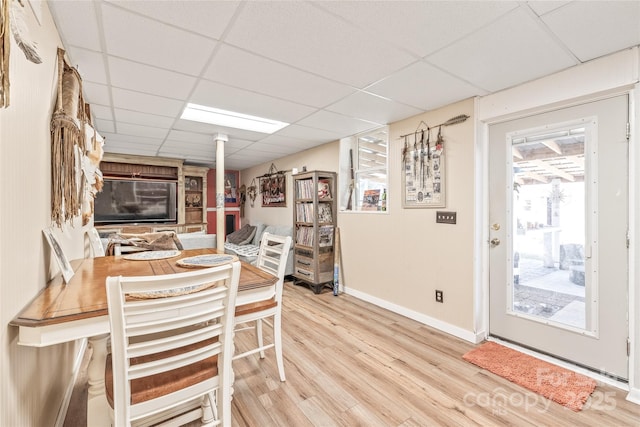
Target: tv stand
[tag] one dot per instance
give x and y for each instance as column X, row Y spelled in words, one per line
column 192, row 187
column 106, row 230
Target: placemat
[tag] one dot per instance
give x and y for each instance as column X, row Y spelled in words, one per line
column 209, row 260
column 151, row 255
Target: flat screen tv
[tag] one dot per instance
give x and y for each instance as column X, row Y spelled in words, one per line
column 136, row 201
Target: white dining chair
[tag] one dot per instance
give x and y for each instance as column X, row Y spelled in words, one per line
column 95, row 242
column 172, row 347
column 253, row 307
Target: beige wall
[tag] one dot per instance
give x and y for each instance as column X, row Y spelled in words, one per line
column 324, row 158
column 31, row 394
column 400, row 258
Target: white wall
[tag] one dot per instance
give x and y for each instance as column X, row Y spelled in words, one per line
column 33, row 380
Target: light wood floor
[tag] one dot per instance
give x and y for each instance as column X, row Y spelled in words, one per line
column 349, row 363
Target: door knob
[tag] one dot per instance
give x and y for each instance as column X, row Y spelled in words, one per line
column 495, row 241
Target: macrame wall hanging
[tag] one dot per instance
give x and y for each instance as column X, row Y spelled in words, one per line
column 67, row 140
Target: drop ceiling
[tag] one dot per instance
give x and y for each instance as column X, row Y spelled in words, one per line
column 329, row 68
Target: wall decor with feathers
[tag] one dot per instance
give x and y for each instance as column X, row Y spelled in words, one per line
column 5, row 45
column 20, row 31
column 13, row 21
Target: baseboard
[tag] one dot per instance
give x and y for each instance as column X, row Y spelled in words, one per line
column 77, row 365
column 456, row 331
column 634, row 396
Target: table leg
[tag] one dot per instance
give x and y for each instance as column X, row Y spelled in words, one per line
column 97, row 406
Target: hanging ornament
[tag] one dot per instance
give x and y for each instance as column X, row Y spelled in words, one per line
column 440, row 141
column 243, row 199
column 252, row 192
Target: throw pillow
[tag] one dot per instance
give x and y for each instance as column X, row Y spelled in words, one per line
column 249, row 239
column 244, row 234
column 259, row 230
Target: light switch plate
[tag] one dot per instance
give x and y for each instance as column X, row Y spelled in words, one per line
column 446, row 217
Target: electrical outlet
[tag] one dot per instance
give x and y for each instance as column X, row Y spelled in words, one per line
column 446, row 217
column 439, row 296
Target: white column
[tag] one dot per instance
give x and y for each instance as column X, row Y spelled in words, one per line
column 220, row 217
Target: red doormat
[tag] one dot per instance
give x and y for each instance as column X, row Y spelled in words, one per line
column 553, row 382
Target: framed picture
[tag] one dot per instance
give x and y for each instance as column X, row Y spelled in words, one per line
column 274, row 190
column 423, row 179
column 61, row 259
column 231, row 196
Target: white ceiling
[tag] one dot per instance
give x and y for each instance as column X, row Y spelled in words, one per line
column 330, row 68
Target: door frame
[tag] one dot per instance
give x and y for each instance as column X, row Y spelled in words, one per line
column 490, row 110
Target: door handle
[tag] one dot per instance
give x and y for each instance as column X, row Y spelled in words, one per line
column 495, row 242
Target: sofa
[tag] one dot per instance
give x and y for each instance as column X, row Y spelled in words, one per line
column 246, row 249
column 197, row 240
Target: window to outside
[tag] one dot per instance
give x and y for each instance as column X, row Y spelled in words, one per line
column 364, row 171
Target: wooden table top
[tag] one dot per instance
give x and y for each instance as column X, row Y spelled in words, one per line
column 85, row 295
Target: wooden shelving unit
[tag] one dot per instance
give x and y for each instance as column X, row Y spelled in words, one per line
column 315, row 216
column 195, row 194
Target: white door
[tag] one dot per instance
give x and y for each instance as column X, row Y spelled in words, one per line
column 558, row 214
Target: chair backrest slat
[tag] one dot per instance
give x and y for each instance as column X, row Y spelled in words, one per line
column 162, row 323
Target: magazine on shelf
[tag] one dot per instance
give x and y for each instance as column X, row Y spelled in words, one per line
column 324, row 212
column 325, row 235
column 324, row 188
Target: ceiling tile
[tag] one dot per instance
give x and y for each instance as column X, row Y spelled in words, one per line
column 237, row 144
column 184, row 136
column 104, row 126
column 311, row 134
column 242, row 101
column 280, row 142
column 76, row 21
column 141, row 39
column 89, row 64
column 209, row 18
column 414, row 25
column 143, row 78
column 101, row 111
column 123, row 140
column 95, row 93
column 189, row 150
column 513, row 50
column 134, row 117
column 281, row 150
column 235, row 67
column 373, row 108
column 337, row 123
column 542, row 7
column 137, row 130
column 144, row 103
column 211, row 130
column 593, row 29
column 134, row 150
column 425, row 87
column 311, row 39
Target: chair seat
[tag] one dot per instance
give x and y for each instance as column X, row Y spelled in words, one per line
column 162, row 384
column 255, row 307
